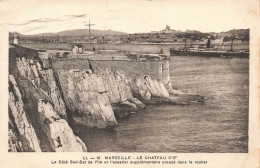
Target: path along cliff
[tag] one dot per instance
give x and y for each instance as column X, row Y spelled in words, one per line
column 44, row 101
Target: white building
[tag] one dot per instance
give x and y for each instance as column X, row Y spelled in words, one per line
column 16, row 38
column 78, row 49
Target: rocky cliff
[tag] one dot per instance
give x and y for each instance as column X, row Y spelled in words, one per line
column 22, row 136
column 119, row 92
column 154, row 92
column 95, row 98
column 57, row 130
column 87, row 98
column 44, row 102
column 43, row 79
column 38, row 119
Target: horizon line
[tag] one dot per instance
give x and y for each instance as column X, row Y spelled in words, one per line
column 130, row 33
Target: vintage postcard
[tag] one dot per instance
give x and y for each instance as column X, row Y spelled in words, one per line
column 140, row 83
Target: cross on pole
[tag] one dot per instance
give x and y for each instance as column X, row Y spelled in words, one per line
column 89, row 29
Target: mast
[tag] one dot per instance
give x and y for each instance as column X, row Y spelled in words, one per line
column 232, row 39
column 208, row 43
column 185, row 41
column 58, row 37
column 89, row 29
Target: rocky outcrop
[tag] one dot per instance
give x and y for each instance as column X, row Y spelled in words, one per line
column 87, row 99
column 151, row 91
column 119, row 92
column 49, row 99
column 14, row 145
column 145, row 89
column 42, row 99
column 54, row 92
column 24, row 138
column 57, row 130
column 44, row 80
column 94, row 99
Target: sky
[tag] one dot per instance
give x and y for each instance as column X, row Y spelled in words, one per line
column 135, row 16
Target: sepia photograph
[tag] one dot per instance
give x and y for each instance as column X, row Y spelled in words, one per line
column 95, row 90
column 147, row 76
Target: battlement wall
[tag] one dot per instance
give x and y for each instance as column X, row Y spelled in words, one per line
column 76, row 63
column 131, row 69
column 158, row 70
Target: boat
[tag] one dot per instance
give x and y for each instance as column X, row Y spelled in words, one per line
column 209, row 51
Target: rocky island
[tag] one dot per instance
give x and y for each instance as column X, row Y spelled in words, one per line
column 50, row 91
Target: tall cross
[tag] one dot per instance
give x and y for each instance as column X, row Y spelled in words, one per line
column 232, row 39
column 89, row 29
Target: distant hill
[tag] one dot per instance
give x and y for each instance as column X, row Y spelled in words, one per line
column 166, row 35
column 85, row 32
column 76, row 32
column 236, row 31
column 192, row 31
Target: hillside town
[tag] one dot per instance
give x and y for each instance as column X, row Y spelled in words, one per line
column 166, row 35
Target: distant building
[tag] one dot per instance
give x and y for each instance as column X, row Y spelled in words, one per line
column 16, row 38
column 168, row 27
column 78, row 49
column 61, row 55
column 106, row 40
column 166, row 30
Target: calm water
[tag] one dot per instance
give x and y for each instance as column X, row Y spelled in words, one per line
column 142, row 48
column 218, row 125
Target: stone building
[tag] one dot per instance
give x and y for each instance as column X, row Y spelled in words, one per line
column 16, row 37
column 78, row 49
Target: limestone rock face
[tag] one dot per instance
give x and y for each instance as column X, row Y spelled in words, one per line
column 44, row 80
column 54, row 92
column 57, row 130
column 146, row 88
column 29, row 70
column 116, row 85
column 14, row 144
column 151, row 91
column 52, row 97
column 119, row 92
column 46, row 109
column 25, row 137
column 87, row 99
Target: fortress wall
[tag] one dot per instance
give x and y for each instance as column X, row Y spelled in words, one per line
column 166, row 73
column 16, row 51
column 131, row 69
column 158, row 70
column 76, row 63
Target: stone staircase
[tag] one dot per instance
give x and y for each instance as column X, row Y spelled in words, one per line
column 25, row 89
column 31, row 107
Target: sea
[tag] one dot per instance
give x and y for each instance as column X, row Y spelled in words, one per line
column 219, row 125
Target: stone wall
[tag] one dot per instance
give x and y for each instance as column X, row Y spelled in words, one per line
column 75, row 63
column 131, row 69
column 158, row 70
